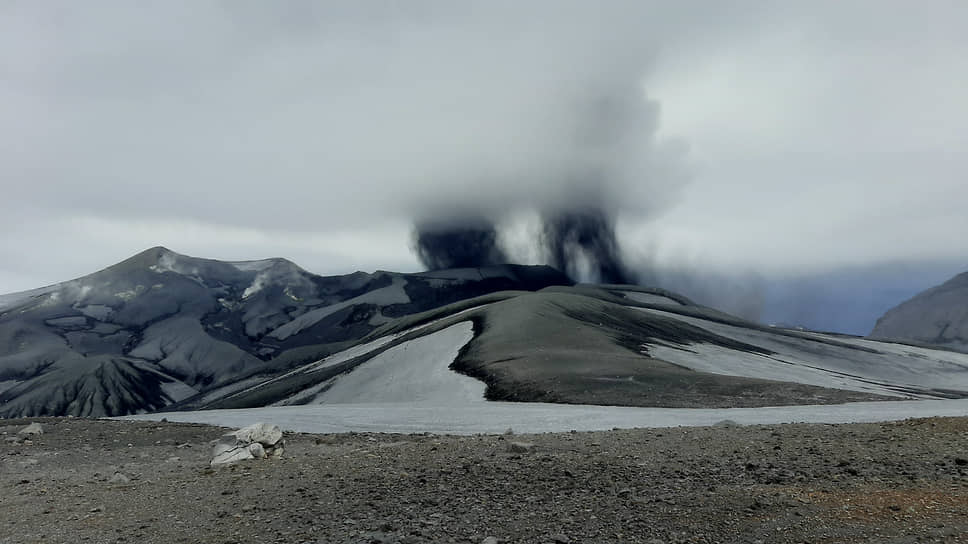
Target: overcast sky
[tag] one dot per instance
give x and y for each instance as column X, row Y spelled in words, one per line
column 781, row 138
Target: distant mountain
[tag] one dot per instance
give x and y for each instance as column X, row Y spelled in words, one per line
column 938, row 316
column 161, row 327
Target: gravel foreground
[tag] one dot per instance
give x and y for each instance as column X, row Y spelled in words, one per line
column 88, row 480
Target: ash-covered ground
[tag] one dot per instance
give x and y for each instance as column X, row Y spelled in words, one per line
column 86, row 480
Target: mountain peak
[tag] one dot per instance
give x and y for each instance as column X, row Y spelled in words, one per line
column 157, row 252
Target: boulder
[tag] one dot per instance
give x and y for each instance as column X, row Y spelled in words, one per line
column 257, row 450
column 32, row 429
column 257, row 441
column 263, row 433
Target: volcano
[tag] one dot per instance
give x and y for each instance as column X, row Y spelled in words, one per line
column 164, row 331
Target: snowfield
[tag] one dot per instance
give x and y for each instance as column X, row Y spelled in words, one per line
column 415, row 371
column 496, row 417
column 824, row 360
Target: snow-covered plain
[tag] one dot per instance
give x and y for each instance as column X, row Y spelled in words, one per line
column 496, row 417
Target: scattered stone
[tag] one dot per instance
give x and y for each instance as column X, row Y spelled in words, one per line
column 470, row 491
column 119, row 478
column 276, row 452
column 257, row 441
column 32, row 430
column 520, row 447
column 726, row 423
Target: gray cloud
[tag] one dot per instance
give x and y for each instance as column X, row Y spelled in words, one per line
column 772, row 138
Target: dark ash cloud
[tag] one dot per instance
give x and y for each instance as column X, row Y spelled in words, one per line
column 582, row 244
column 470, row 244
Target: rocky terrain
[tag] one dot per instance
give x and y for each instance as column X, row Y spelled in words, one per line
column 88, row 480
column 936, row 317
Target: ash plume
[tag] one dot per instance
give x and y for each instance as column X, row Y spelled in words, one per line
column 469, row 245
column 569, row 140
column 598, row 162
column 582, row 244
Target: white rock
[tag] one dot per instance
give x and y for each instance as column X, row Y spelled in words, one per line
column 256, row 441
column 32, row 429
column 257, row 451
column 231, row 456
column 263, row 433
column 276, row 452
column 119, row 478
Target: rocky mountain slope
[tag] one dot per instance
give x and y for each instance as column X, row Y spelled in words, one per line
column 610, row 345
column 162, row 327
column 163, row 331
column 938, row 316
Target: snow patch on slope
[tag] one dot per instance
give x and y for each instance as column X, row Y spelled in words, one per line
column 816, row 359
column 7, row 384
column 650, row 298
column 414, row 371
column 384, row 296
column 260, row 281
column 253, row 266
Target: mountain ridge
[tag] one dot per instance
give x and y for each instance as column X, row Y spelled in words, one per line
column 161, row 326
column 162, row 331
